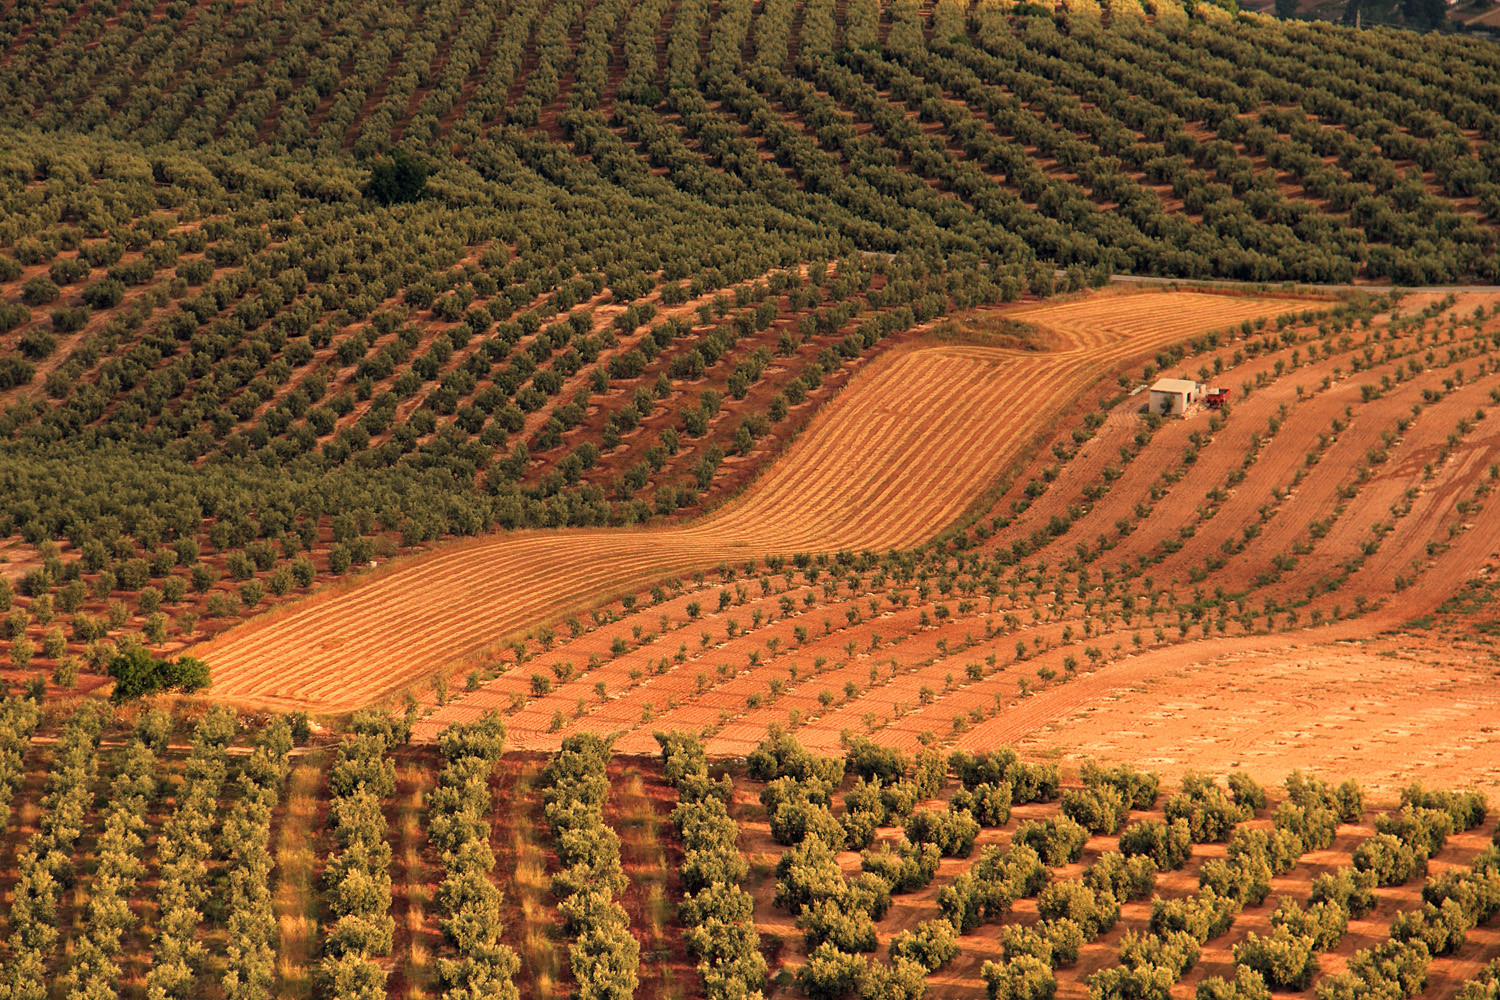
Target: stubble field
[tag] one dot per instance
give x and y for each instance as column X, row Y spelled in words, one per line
column 895, row 459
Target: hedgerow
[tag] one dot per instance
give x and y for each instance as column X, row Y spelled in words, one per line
column 358, row 874
column 18, row 721
column 249, row 961
column 95, row 969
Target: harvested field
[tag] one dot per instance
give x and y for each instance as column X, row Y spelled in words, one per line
column 913, row 442
column 1390, row 710
column 1242, row 568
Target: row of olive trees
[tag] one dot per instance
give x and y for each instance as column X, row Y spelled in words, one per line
column 358, row 873
column 18, row 721
column 95, row 970
column 184, row 850
column 458, row 826
column 46, row 863
column 250, row 957
column 717, row 912
column 604, row 955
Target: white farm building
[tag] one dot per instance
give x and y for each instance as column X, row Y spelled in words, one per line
column 1171, row 396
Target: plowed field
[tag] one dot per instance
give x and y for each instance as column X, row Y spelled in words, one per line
column 906, row 449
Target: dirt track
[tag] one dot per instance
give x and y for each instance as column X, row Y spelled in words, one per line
column 911, row 444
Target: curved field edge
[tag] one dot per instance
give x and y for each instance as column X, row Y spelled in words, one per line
column 949, row 666
column 905, row 451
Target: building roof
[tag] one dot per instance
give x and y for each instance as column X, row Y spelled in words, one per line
column 1175, row 385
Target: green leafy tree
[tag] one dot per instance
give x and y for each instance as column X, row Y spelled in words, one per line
column 397, row 179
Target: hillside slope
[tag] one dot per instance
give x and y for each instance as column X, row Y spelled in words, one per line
column 1346, row 491
column 896, row 458
column 654, row 239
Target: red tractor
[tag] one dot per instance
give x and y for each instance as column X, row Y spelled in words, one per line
column 1214, row 398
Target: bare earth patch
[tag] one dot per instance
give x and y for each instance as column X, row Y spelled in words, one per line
column 1387, row 711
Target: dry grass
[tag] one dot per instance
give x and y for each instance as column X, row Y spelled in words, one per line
column 641, row 846
column 417, row 961
column 658, row 910
column 538, row 949
column 295, row 900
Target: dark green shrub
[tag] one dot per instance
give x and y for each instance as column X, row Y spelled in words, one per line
column 37, row 343
column 1441, row 929
column 70, row 319
column 38, row 291
column 846, row 929
column 396, row 179
column 1485, row 985
column 1057, row 841
column 137, row 673
column 1278, row 849
column 831, row 974
column 1285, row 960
column 1389, row 859
column 105, row 293
column 1098, row 807
column 1169, row 845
